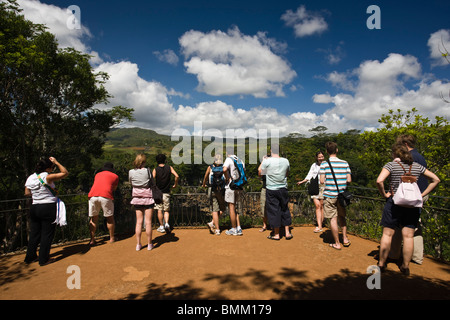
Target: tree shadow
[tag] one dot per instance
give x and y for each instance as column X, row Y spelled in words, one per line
column 293, row 284
column 10, row 272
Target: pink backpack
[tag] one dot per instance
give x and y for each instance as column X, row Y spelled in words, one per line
column 408, row 193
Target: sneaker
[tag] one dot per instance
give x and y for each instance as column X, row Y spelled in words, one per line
column 239, row 232
column 138, row 247
column 167, row 228
column 161, row 229
column 211, row 226
column 231, row 232
column 150, row 246
column 217, row 232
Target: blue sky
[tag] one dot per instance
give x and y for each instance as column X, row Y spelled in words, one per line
column 290, row 65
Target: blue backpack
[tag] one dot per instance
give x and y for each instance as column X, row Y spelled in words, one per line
column 217, row 181
column 241, row 181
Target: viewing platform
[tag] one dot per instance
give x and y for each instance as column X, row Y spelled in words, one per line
column 192, row 264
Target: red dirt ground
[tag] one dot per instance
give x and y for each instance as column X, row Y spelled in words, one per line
column 194, row 264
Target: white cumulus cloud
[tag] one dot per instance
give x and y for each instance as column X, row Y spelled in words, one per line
column 149, row 99
column 438, row 44
column 231, row 63
column 305, row 23
column 57, row 21
column 375, row 87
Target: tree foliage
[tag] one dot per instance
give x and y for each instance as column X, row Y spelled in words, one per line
column 47, row 99
column 432, row 143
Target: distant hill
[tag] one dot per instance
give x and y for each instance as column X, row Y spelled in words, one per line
column 135, row 137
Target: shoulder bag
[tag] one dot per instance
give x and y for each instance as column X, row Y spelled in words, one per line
column 313, row 186
column 157, row 194
column 60, row 206
column 345, row 196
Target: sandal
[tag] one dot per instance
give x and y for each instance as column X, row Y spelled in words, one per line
column 333, row 245
column 317, row 230
column 270, row 237
column 347, row 244
column 262, row 229
column 290, row 237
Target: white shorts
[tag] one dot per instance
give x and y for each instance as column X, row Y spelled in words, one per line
column 232, row 196
column 98, row 203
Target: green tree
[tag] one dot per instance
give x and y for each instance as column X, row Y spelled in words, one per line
column 47, row 99
column 432, row 143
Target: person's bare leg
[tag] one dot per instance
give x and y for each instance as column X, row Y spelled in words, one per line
column 92, row 228
column 385, row 245
column 138, row 229
column 148, row 226
column 111, row 226
column 408, row 246
column 335, row 232
column 232, row 208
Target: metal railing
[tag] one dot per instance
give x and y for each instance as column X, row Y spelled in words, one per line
column 191, row 208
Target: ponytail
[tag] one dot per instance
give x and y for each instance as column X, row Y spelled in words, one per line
column 402, row 152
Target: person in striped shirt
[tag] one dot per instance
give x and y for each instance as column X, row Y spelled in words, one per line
column 395, row 216
column 332, row 210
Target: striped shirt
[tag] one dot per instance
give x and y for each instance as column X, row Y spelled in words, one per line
column 397, row 171
column 341, row 169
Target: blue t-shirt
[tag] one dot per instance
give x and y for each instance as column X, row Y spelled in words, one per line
column 275, row 170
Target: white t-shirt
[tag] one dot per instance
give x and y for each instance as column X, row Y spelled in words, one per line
column 40, row 193
column 232, row 170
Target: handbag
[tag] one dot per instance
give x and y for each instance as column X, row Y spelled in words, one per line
column 408, row 193
column 313, row 186
column 344, row 197
column 157, row 194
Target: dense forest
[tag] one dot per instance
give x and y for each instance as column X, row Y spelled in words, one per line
column 366, row 152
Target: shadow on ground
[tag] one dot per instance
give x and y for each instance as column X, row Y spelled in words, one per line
column 291, row 284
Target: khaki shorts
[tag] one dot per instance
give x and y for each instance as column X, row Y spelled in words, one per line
column 217, row 202
column 100, row 203
column 332, row 208
column 165, row 205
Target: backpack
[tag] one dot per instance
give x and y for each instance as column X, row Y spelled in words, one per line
column 238, row 184
column 408, row 193
column 313, row 187
column 217, row 180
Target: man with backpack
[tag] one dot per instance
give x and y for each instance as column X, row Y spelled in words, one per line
column 234, row 169
column 215, row 178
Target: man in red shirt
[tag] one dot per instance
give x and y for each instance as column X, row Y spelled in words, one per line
column 101, row 197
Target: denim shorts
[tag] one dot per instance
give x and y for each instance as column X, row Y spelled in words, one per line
column 397, row 217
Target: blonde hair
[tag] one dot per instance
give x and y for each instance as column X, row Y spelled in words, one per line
column 139, row 161
column 218, row 159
